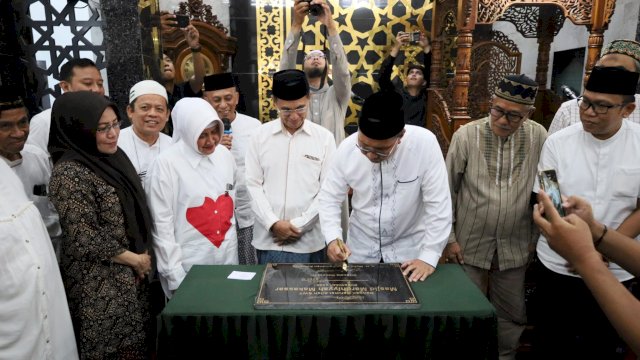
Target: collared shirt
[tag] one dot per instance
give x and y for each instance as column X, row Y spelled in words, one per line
column 604, row 172
column 401, row 207
column 569, row 114
column 141, row 154
column 242, row 128
column 183, row 190
column 33, row 306
column 35, row 171
column 328, row 105
column 284, row 173
column 39, row 130
column 490, row 180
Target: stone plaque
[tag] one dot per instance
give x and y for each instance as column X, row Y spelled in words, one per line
column 328, row 286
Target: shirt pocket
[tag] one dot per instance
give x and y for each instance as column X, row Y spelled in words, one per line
column 626, row 182
column 310, row 168
column 408, row 184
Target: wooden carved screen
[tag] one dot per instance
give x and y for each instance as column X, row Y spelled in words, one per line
column 491, row 60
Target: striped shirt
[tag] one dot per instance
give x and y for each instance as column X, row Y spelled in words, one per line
column 569, row 114
column 491, row 180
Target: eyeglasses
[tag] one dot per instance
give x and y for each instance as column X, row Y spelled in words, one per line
column 106, row 128
column 315, row 56
column 288, row 112
column 511, row 117
column 6, row 126
column 378, row 153
column 599, row 109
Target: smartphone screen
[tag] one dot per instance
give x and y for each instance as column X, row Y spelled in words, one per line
column 182, row 20
column 415, row 37
column 549, row 183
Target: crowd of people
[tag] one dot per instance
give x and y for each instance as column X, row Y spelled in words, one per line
column 100, row 225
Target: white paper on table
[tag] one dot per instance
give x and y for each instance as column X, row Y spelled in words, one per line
column 241, row 275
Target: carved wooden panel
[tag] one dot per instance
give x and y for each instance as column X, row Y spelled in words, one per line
column 491, row 60
column 578, row 11
column 438, row 119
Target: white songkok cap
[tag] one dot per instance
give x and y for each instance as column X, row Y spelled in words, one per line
column 147, row 87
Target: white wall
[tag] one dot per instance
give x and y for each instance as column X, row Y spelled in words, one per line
column 622, row 26
column 220, row 8
column 63, row 37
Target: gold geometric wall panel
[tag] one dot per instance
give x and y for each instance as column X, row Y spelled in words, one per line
column 367, row 29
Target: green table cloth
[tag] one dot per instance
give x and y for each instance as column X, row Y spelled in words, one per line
column 212, row 317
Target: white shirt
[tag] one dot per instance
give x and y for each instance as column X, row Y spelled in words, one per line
column 401, row 207
column 242, row 128
column 604, row 172
column 39, row 130
column 569, row 114
column 284, row 174
column 141, row 154
column 191, row 197
column 35, row 170
column 33, row 306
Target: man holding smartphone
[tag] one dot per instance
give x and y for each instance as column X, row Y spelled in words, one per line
column 328, row 103
column 492, row 167
column 413, row 90
column 596, row 159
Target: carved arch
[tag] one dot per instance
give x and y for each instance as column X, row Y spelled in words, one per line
column 491, row 60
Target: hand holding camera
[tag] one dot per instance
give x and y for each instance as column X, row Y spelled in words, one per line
column 314, row 9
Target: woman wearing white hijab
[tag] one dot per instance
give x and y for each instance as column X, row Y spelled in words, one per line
column 191, row 193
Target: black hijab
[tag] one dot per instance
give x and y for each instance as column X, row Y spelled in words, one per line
column 72, row 137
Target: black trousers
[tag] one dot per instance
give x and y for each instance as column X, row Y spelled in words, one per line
column 570, row 324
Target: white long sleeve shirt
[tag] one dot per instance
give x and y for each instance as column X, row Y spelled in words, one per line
column 401, row 207
column 34, row 314
column 34, row 170
column 192, row 197
column 141, row 154
column 242, row 128
column 39, row 130
column 284, row 173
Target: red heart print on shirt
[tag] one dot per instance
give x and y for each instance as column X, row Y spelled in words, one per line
column 213, row 218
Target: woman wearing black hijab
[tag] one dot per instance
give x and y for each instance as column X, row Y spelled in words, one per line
column 106, row 229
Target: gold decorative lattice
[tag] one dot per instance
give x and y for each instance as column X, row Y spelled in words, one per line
column 367, row 29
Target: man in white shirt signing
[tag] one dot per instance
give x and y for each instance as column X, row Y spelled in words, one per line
column 401, row 205
column 285, row 164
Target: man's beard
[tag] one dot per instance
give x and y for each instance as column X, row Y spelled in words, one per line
column 314, row 72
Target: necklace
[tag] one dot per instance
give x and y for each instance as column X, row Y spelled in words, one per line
column 143, row 172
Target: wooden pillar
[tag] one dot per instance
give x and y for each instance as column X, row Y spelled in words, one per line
column 462, row 79
column 546, row 29
column 466, row 21
column 435, row 75
column 599, row 22
column 596, row 39
column 542, row 67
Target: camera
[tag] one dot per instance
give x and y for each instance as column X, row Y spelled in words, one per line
column 314, row 9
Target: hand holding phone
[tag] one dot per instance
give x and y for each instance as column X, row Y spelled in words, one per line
column 549, row 183
column 181, row 21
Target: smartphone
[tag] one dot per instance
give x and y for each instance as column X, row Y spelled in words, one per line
column 415, row 37
column 549, row 183
column 182, row 21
